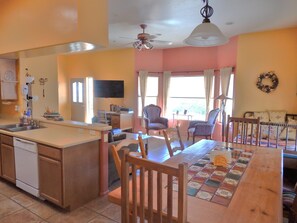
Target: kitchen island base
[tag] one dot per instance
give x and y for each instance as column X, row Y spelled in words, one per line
column 69, row 177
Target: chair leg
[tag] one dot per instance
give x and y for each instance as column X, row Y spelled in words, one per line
column 193, row 139
column 188, row 136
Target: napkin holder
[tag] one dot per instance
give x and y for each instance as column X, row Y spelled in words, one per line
column 218, row 155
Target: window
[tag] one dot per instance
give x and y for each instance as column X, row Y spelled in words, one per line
column 89, row 99
column 82, row 99
column 229, row 102
column 187, row 93
column 152, row 92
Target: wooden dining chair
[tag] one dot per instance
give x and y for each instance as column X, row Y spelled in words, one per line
column 117, row 151
column 243, row 130
column 138, row 197
column 173, row 140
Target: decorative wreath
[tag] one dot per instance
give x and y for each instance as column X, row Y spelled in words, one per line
column 267, row 88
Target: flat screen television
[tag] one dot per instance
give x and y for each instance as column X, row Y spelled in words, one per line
column 108, row 88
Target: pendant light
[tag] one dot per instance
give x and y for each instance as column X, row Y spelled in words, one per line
column 206, row 34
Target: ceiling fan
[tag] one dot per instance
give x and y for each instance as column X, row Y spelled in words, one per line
column 145, row 40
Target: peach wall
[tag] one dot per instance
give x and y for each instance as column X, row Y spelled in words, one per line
column 41, row 67
column 151, row 60
column 34, row 24
column 227, row 54
column 103, row 65
column 262, row 52
column 190, row 58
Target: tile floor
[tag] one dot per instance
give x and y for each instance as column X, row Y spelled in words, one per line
column 17, row 206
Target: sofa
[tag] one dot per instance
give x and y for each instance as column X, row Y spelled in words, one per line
column 277, row 129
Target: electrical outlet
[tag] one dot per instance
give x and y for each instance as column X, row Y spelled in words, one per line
column 17, row 108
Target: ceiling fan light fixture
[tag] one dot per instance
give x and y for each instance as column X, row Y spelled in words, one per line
column 144, row 39
column 148, row 45
column 137, row 45
column 206, row 34
column 142, row 45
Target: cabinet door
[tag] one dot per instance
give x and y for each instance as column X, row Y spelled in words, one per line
column 50, row 179
column 115, row 121
column 8, row 164
column 0, row 163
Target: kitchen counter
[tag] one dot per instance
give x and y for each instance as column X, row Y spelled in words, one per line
column 76, row 124
column 83, row 148
column 60, row 134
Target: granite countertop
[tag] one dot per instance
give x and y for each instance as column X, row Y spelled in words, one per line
column 60, row 135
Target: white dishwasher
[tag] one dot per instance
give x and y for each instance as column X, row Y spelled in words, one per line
column 26, row 165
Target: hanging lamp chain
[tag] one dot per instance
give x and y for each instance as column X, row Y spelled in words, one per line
column 206, row 11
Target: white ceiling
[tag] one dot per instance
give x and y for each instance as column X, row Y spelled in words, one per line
column 175, row 19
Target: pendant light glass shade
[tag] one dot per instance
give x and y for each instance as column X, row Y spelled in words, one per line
column 206, row 34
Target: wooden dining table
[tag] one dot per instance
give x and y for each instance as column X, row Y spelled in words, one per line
column 257, row 198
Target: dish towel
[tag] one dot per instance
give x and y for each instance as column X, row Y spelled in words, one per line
column 8, row 85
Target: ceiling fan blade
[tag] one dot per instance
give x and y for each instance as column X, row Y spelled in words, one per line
column 161, row 42
column 123, row 37
column 152, row 37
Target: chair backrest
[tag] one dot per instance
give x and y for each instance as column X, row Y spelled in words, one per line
column 152, row 112
column 243, row 130
column 118, row 150
column 149, row 184
column 212, row 116
column 173, row 140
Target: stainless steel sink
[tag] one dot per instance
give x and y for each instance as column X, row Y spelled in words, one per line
column 19, row 127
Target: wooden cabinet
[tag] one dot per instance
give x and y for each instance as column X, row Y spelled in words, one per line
column 7, row 158
column 50, row 174
column 0, row 164
column 122, row 121
column 69, row 177
column 115, row 121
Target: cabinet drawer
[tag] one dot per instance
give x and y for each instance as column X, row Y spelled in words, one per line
column 50, row 152
column 8, row 140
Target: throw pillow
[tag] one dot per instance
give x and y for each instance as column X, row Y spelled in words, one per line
column 264, row 117
column 291, row 131
column 276, row 117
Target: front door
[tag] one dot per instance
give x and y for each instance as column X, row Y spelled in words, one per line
column 78, row 105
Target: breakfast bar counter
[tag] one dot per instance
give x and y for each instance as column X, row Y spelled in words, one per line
column 60, row 134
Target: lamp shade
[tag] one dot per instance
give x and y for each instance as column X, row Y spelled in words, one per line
column 206, row 34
